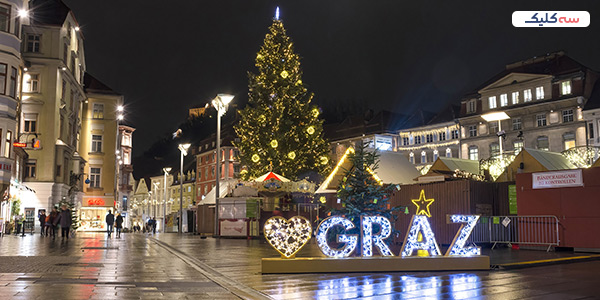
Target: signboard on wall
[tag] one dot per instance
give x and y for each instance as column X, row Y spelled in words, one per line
column 235, row 227
column 512, row 199
column 558, row 179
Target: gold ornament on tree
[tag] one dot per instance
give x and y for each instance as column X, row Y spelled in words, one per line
column 255, row 158
column 324, row 160
column 274, row 143
column 284, row 74
column 315, row 112
column 310, row 130
column 292, row 155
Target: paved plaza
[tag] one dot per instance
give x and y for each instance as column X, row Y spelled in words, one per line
column 172, row 266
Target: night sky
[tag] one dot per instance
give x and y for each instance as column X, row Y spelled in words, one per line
column 168, row 56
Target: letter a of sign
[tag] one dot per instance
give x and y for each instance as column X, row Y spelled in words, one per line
column 368, row 238
column 419, row 224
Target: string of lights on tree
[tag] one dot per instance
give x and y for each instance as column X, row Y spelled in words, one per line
column 280, row 130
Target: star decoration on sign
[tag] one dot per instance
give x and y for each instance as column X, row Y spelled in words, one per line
column 423, row 204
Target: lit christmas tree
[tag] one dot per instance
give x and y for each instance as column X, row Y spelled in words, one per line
column 279, row 129
column 361, row 192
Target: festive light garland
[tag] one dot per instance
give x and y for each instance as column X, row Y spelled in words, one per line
column 432, row 145
column 497, row 165
column 287, row 236
column 446, row 129
column 368, row 238
column 350, row 240
column 458, row 244
column 582, row 156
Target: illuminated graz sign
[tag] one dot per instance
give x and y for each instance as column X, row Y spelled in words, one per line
column 288, row 237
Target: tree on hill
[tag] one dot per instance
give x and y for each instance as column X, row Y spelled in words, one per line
column 279, row 129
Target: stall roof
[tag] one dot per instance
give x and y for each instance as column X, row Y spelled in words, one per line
column 271, row 175
column 535, row 161
column 450, row 164
column 394, row 168
column 224, row 187
column 596, row 164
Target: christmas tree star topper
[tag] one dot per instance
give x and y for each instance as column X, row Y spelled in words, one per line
column 423, row 204
column 277, row 13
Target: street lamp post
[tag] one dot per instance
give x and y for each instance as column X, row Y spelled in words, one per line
column 220, row 103
column 166, row 170
column 183, row 148
column 497, row 116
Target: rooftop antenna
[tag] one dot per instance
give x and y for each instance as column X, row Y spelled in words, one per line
column 277, row 13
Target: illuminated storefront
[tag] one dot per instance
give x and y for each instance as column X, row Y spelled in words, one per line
column 93, row 213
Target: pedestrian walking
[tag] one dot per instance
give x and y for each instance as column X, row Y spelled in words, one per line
column 110, row 220
column 64, row 220
column 50, row 228
column 152, row 224
column 42, row 219
column 119, row 223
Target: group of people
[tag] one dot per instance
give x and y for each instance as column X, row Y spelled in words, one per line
column 116, row 222
column 49, row 223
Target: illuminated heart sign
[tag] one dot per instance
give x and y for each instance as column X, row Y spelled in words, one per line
column 288, row 236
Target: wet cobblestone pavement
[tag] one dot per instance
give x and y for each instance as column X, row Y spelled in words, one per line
column 170, row 266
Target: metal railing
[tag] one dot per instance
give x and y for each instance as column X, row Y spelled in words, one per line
column 522, row 230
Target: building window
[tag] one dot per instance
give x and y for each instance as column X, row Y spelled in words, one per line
column 405, row 141
column 417, row 139
column 436, row 154
column 503, row 100
column 423, row 157
column 12, row 88
column 591, row 130
column 539, row 93
column 31, row 83
column 8, row 143
column 541, row 120
column 473, row 153
column 448, row 152
column 94, row 177
column 96, row 143
column 411, row 158
column 516, row 124
column 565, row 87
column 126, row 158
column 455, row 134
column 126, row 140
column 515, row 97
column 492, row 102
column 442, row 136
column 29, row 123
column 33, row 42
column 429, row 138
column 471, row 106
column 494, row 149
column 567, row 115
column 30, row 168
column 98, row 111
column 542, row 143
column 472, row 130
column 518, row 146
column 3, row 68
column 493, row 127
column 527, row 95
column 4, row 17
column 569, row 140
column 236, row 169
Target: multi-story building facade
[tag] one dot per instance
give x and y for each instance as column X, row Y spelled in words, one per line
column 125, row 171
column 206, row 162
column 439, row 137
column 182, row 189
column 52, row 98
column 543, row 98
column 99, row 147
column 141, row 204
column 12, row 17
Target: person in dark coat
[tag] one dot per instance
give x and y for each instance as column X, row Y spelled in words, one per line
column 119, row 224
column 42, row 219
column 50, row 228
column 64, row 220
column 110, row 220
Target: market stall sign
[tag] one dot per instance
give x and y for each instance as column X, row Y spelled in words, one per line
column 567, row 178
column 19, row 145
column 95, row 202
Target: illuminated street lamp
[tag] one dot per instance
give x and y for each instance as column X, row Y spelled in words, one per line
column 497, row 116
column 166, row 170
column 183, row 148
column 220, row 103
